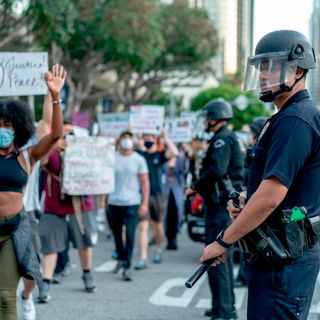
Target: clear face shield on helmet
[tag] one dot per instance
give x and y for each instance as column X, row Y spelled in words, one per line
column 267, row 72
column 201, row 124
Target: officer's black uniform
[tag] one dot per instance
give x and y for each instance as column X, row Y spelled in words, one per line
column 289, row 150
column 223, row 162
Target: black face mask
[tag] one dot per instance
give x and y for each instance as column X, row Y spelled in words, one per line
column 148, row 144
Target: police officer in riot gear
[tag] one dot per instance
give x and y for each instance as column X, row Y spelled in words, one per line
column 284, row 174
column 222, row 171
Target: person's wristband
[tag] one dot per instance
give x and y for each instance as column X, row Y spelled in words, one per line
column 56, row 101
column 222, row 243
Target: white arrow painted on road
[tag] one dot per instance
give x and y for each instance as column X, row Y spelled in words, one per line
column 240, row 296
column 161, row 298
column 107, row 266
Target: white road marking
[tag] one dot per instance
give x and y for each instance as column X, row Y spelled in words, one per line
column 161, row 298
column 107, row 266
column 240, row 295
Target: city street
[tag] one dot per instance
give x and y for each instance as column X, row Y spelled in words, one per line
column 157, row 293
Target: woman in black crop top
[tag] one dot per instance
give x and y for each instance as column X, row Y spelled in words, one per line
column 17, row 257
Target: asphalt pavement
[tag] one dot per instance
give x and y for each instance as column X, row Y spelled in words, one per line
column 156, row 293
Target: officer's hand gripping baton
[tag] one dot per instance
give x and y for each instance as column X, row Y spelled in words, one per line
column 203, row 268
column 234, row 196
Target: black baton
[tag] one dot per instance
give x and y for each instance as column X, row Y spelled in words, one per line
column 203, row 268
column 234, row 196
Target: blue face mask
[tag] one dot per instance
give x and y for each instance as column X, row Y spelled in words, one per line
column 6, row 137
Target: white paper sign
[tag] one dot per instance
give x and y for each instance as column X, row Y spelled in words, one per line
column 112, row 124
column 146, row 119
column 80, row 132
column 179, row 129
column 22, row 73
column 88, row 166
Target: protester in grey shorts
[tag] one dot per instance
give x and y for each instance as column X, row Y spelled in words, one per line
column 54, row 226
column 129, row 199
column 157, row 204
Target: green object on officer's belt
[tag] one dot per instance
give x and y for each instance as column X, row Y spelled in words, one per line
column 297, row 214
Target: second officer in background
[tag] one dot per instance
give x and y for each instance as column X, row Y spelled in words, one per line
column 222, row 171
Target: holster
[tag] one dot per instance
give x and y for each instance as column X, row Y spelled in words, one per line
column 295, row 235
column 312, row 229
column 301, row 235
column 263, row 247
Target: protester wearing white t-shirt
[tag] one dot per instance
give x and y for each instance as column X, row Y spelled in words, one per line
column 128, row 201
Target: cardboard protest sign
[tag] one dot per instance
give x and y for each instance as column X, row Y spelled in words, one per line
column 88, row 166
column 179, row 129
column 112, row 124
column 22, row 73
column 146, row 119
column 80, row 132
column 81, row 119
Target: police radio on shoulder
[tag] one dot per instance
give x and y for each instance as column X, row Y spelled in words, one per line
column 222, row 243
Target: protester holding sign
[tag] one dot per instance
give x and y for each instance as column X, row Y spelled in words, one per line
column 53, row 225
column 157, row 203
column 17, row 256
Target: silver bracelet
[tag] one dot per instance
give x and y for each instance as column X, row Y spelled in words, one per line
column 56, row 101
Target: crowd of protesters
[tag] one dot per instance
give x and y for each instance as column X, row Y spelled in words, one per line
column 147, row 205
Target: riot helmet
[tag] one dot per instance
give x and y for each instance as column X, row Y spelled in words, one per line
column 277, row 56
column 219, row 110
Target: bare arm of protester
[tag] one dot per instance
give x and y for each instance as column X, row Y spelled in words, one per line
column 55, row 80
column 103, row 201
column 145, row 190
column 172, row 148
column 44, row 125
column 139, row 145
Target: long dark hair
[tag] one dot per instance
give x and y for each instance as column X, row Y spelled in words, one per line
column 18, row 113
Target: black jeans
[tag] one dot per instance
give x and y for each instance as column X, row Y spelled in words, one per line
column 172, row 219
column 221, row 276
column 124, row 216
column 284, row 292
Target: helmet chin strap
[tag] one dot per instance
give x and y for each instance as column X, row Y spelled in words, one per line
column 210, row 126
column 269, row 96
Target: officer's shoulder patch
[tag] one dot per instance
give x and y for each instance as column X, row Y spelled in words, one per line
column 218, row 144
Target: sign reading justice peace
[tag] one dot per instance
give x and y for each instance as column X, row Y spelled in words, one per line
column 22, row 73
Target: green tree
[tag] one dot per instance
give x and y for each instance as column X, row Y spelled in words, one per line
column 254, row 109
column 14, row 25
column 74, row 34
column 142, row 41
column 178, row 47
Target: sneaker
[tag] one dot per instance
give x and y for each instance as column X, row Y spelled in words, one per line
column 157, row 257
column 88, row 282
column 57, row 278
column 67, row 270
column 118, row 267
column 172, row 245
column 141, row 264
column 126, row 275
column 26, row 308
column 44, row 296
